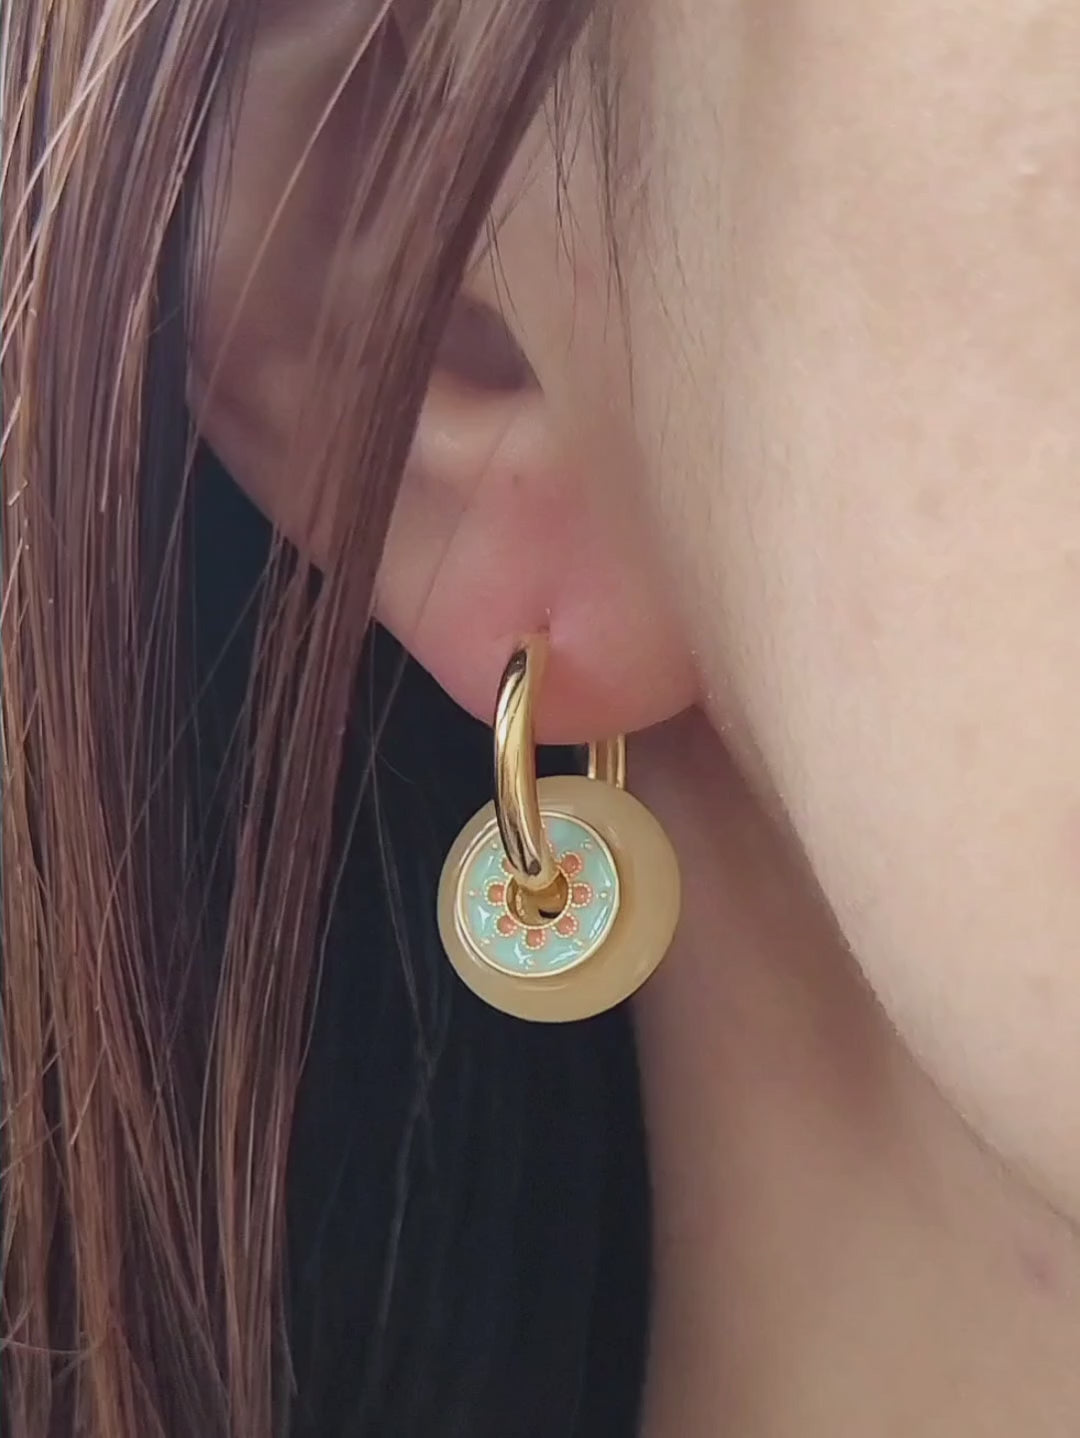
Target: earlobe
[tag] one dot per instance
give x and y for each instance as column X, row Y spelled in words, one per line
column 497, row 534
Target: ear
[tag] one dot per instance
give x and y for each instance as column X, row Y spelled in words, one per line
column 503, row 525
column 500, row 531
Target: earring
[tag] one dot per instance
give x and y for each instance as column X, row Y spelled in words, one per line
column 560, row 898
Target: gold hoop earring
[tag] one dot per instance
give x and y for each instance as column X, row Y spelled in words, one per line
column 560, row 898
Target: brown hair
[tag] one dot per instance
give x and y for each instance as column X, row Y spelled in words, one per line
column 149, row 1074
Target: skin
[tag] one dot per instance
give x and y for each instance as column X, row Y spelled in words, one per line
column 833, row 524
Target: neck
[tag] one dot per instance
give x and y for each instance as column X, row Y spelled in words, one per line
column 835, row 1253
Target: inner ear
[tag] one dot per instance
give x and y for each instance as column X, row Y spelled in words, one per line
column 478, row 349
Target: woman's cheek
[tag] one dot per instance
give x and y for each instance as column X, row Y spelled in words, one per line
column 857, row 337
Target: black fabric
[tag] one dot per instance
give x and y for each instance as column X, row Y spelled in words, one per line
column 468, row 1216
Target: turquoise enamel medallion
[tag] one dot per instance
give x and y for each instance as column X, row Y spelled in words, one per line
column 490, row 928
